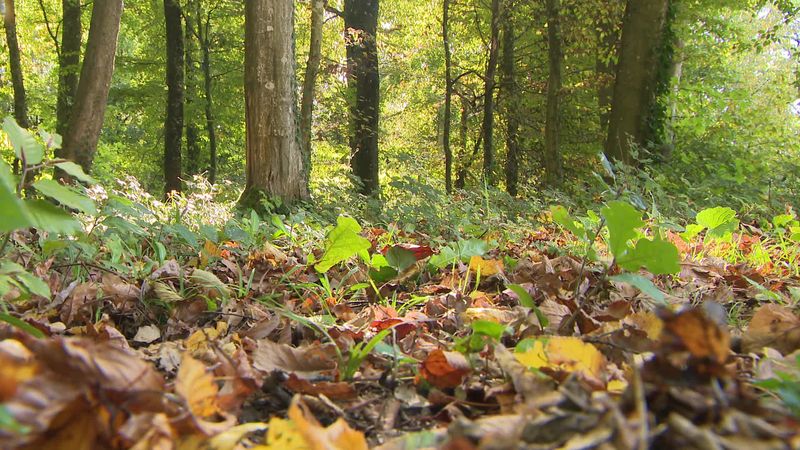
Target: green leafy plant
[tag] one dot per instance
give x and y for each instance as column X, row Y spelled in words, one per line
column 786, row 387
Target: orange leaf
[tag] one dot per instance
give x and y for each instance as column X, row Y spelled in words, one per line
column 197, row 387
column 444, row 369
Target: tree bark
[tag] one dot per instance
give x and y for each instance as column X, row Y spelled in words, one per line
column 642, row 35
column 608, row 30
column 274, row 157
column 17, row 80
column 461, row 174
column 86, row 118
column 448, row 97
column 191, row 95
column 69, row 61
column 211, row 130
column 361, row 27
column 511, row 110
column 552, row 151
column 173, row 122
column 488, row 96
column 309, row 83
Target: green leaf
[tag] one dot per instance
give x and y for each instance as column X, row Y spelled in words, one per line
column 721, row 222
column 400, row 258
column 76, row 171
column 622, row 220
column 471, row 247
column 692, row 230
column 66, row 196
column 34, row 284
column 48, row 217
column 526, row 301
column 22, row 325
column 488, row 328
column 658, row 256
column 25, row 145
column 51, row 140
column 6, row 177
column 561, row 216
column 15, row 215
column 643, row 284
column 343, row 243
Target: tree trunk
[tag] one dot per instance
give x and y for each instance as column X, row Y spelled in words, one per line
column 608, row 29
column 448, row 97
column 189, row 113
column 173, row 123
column 361, row 27
column 642, row 35
column 461, row 175
column 205, row 43
column 86, row 117
column 488, row 96
column 676, row 73
column 274, row 157
column 552, row 131
column 309, row 83
column 17, row 81
column 511, row 109
column 69, row 62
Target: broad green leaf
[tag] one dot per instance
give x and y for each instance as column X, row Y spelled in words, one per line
column 561, row 216
column 48, row 217
column 34, row 284
column 51, row 140
column 721, row 222
column 622, row 220
column 488, row 328
column 782, row 220
column 66, row 196
column 380, row 270
column 447, row 255
column 14, row 214
column 692, row 230
column 658, row 256
column 400, row 258
column 76, row 171
column 471, row 247
column 343, row 243
column 6, row 177
column 643, row 284
column 25, row 145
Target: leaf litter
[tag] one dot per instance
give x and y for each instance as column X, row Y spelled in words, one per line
column 374, row 340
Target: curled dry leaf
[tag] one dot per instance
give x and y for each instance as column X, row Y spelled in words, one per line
column 147, row 334
column 444, row 369
column 772, row 326
column 694, row 331
column 305, row 362
column 197, row 387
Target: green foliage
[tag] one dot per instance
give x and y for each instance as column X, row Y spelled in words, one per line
column 342, row 243
column 483, row 333
column 786, row 386
column 719, row 223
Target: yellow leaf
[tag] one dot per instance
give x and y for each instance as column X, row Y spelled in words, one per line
column 284, row 435
column 197, row 387
column 337, row 436
column 534, row 357
column 229, row 440
column 487, row 267
column 617, row 386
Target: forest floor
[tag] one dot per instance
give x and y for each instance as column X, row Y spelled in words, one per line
column 378, row 337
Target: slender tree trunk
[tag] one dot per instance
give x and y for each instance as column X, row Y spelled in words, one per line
column 205, row 42
column 510, row 95
column 448, row 97
column 69, row 61
column 461, row 175
column 173, row 123
column 86, row 118
column 361, row 27
column 274, row 157
column 488, row 97
column 552, row 131
column 17, row 81
column 642, row 35
column 189, row 113
column 608, row 30
column 309, row 83
column 676, row 73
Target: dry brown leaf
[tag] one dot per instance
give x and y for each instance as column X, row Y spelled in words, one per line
column 698, row 334
column 772, row 326
column 306, row 362
column 337, row 436
column 334, row 391
column 444, row 369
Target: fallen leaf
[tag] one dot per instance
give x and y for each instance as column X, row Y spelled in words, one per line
column 306, row 362
column 147, row 334
column 486, row 267
column 445, row 369
column 772, row 326
column 197, row 387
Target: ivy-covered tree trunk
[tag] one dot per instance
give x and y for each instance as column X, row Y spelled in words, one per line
column 510, row 95
column 448, row 97
column 69, row 61
column 173, row 123
column 310, row 82
column 637, row 74
column 363, row 79
column 86, row 118
column 488, row 96
column 191, row 96
column 274, row 158
column 17, row 80
column 552, row 130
